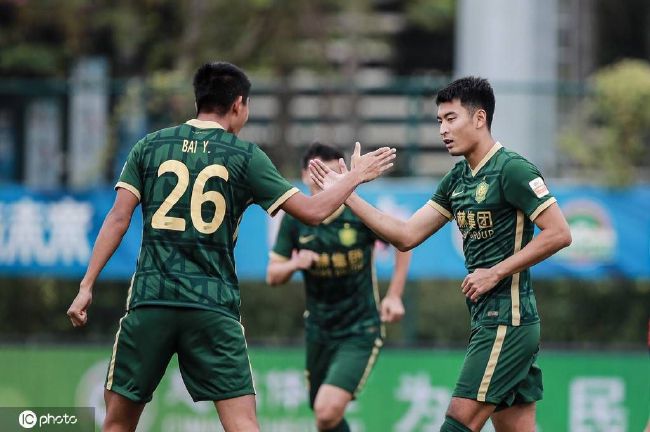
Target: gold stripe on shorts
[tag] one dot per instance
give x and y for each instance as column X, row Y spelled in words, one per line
column 111, row 367
column 371, row 363
column 492, row 363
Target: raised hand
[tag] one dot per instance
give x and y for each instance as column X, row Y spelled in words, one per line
column 372, row 164
column 323, row 176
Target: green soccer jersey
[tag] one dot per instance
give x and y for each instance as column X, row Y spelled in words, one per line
column 341, row 287
column 494, row 206
column 194, row 182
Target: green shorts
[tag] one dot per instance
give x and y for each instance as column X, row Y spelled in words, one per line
column 344, row 363
column 211, row 350
column 500, row 367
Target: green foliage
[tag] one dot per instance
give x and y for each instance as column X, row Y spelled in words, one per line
column 431, row 14
column 610, row 134
column 580, row 314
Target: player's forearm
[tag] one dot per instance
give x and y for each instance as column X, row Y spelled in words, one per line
column 109, row 238
column 400, row 272
column 387, row 227
column 280, row 272
column 325, row 203
column 542, row 246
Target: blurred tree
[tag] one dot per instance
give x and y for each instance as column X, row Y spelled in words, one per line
column 610, row 135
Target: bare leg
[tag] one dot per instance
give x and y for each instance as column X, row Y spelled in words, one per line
column 473, row 414
column 122, row 414
column 329, row 406
column 517, row 418
column 238, row 414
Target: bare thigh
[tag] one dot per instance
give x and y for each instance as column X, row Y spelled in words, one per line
column 238, row 414
column 330, row 405
column 517, row 418
column 473, row 414
column 122, row 414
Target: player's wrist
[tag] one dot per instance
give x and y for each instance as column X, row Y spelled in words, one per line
column 86, row 286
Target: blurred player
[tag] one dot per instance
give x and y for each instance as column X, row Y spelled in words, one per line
column 496, row 197
column 343, row 327
column 194, row 182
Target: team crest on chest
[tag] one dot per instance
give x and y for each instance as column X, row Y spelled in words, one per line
column 481, row 191
column 347, row 235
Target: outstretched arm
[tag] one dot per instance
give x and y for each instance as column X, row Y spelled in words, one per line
column 312, row 210
column 554, row 235
column 392, row 308
column 404, row 235
column 109, row 238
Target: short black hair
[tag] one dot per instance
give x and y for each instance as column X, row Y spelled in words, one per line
column 473, row 92
column 321, row 151
column 217, row 85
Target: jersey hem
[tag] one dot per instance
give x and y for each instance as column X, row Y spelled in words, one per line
column 440, row 209
column 185, row 306
column 285, row 196
column 134, row 190
column 504, row 323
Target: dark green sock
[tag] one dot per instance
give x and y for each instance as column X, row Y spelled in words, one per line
column 453, row 425
column 341, row 427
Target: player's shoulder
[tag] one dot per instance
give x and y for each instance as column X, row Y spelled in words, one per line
column 509, row 160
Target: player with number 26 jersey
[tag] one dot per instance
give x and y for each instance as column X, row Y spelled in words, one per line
column 199, row 169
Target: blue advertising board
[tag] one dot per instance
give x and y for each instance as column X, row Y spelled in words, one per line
column 52, row 233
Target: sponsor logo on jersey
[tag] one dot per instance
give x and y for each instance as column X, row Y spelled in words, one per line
column 306, row 239
column 481, row 191
column 539, row 187
column 457, row 192
column 348, row 235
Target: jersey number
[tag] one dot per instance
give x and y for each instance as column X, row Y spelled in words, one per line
column 160, row 219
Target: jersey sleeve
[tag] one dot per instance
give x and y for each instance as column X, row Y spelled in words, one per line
column 131, row 176
column 284, row 242
column 269, row 189
column 524, row 188
column 440, row 199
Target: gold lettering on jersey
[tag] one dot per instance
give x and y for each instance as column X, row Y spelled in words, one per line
column 480, row 234
column 471, row 220
column 323, row 260
column 484, row 219
column 461, row 219
column 481, row 191
column 339, row 260
column 355, row 258
column 189, row 146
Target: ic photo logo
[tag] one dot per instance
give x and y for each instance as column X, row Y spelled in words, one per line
column 28, row 419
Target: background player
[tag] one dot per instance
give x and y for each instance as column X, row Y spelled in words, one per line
column 344, row 330
column 496, row 196
column 194, row 182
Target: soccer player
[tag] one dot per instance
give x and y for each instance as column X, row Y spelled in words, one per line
column 496, row 197
column 194, row 182
column 344, row 330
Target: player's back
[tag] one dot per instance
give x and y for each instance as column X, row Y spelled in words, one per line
column 195, row 180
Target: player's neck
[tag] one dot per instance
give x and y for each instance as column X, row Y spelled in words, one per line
column 212, row 117
column 476, row 155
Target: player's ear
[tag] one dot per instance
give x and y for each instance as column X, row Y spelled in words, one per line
column 237, row 105
column 480, row 118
